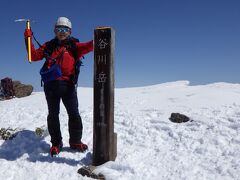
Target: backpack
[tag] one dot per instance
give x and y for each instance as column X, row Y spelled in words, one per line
column 70, row 46
column 7, row 88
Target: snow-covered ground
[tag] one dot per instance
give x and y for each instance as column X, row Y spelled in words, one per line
column 150, row 147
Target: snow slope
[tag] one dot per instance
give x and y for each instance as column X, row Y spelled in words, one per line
column 150, row 147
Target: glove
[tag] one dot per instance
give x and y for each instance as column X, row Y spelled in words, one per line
column 28, row 33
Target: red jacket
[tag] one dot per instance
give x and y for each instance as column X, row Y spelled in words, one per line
column 67, row 63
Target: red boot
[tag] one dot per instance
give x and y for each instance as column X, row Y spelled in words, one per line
column 79, row 147
column 55, row 149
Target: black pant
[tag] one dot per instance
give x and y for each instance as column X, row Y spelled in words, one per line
column 54, row 92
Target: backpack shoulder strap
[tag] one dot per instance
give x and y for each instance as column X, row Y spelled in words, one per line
column 50, row 46
column 78, row 62
column 73, row 47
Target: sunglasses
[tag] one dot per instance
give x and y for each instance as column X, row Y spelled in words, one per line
column 62, row 29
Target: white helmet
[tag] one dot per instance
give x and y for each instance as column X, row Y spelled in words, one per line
column 63, row 21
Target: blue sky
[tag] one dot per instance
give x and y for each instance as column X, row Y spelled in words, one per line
column 156, row 40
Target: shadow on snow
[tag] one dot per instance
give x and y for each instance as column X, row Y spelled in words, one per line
column 26, row 143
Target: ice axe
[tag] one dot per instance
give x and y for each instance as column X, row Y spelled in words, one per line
column 28, row 39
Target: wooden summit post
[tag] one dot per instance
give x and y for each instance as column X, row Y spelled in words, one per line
column 104, row 138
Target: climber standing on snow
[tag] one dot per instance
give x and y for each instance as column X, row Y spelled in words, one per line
column 59, row 75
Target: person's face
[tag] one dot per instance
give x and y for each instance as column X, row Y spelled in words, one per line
column 62, row 32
